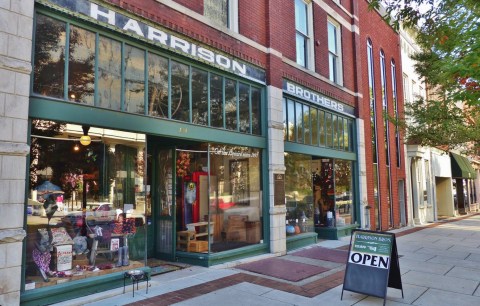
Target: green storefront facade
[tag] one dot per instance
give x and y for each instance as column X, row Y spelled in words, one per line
column 148, row 146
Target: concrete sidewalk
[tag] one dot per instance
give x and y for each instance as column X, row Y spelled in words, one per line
column 439, row 264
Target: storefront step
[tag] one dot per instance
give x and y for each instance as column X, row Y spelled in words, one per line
column 74, row 289
column 301, row 240
column 334, row 233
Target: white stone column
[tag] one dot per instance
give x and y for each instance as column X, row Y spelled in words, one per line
column 362, row 174
column 278, row 237
column 16, row 24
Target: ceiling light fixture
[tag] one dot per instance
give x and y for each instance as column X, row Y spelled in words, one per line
column 85, row 139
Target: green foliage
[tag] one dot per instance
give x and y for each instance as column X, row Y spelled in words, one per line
column 448, row 32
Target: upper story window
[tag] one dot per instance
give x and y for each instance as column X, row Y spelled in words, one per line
column 303, row 29
column 334, row 52
column 222, row 12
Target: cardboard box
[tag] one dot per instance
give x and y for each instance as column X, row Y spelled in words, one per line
column 62, row 257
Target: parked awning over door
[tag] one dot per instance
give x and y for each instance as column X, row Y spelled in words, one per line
column 461, row 167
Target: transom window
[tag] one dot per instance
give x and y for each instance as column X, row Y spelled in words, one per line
column 81, row 66
column 313, row 126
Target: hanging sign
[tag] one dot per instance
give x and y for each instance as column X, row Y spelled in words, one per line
column 372, row 264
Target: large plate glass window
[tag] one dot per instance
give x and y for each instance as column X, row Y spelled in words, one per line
column 87, row 203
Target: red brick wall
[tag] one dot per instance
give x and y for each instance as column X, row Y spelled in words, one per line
column 271, row 24
column 384, row 38
column 186, row 25
column 252, row 20
column 196, row 6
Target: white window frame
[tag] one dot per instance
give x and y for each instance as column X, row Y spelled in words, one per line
column 309, row 48
column 335, row 74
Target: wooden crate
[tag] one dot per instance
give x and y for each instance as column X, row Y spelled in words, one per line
column 198, row 246
column 253, row 231
column 184, row 238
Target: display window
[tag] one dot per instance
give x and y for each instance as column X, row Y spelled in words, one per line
column 219, row 198
column 87, row 205
column 318, row 193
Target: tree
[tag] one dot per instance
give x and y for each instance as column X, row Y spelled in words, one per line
column 448, row 32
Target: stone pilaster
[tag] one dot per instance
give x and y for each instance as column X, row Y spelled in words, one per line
column 16, row 23
column 278, row 243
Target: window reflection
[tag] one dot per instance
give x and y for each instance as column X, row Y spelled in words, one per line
column 81, row 66
column 180, row 92
column 134, row 80
column 157, row 86
column 343, row 192
column 256, row 111
column 110, row 74
column 199, row 96
column 87, row 205
column 244, row 108
column 49, row 57
column 216, row 100
column 230, row 104
column 175, row 90
column 218, row 208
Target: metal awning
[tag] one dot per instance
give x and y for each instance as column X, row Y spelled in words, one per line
column 461, row 167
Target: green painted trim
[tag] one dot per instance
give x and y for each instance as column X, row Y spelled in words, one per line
column 74, row 289
column 67, row 62
column 318, row 151
column 50, row 109
column 333, row 233
column 301, row 240
column 207, row 260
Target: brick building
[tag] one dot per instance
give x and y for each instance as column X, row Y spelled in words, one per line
column 197, row 131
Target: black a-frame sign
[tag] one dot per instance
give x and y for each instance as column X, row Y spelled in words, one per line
column 372, row 264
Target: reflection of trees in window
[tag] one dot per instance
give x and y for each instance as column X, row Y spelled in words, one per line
column 298, row 178
column 299, row 121
column 329, row 130
column 314, row 125
column 306, row 124
column 216, row 100
column 199, row 96
column 291, row 120
column 256, row 111
column 179, row 92
column 244, row 108
column 157, row 86
column 134, row 80
column 230, row 104
column 239, row 180
column 321, row 127
column 109, row 73
column 335, row 131
column 340, row 133
column 81, row 66
column 48, row 74
column 42, row 147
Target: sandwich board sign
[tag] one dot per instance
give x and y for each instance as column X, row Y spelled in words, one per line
column 372, row 264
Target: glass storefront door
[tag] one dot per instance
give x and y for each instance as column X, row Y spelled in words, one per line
column 164, row 185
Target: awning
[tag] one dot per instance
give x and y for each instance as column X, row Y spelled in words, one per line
column 461, row 167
